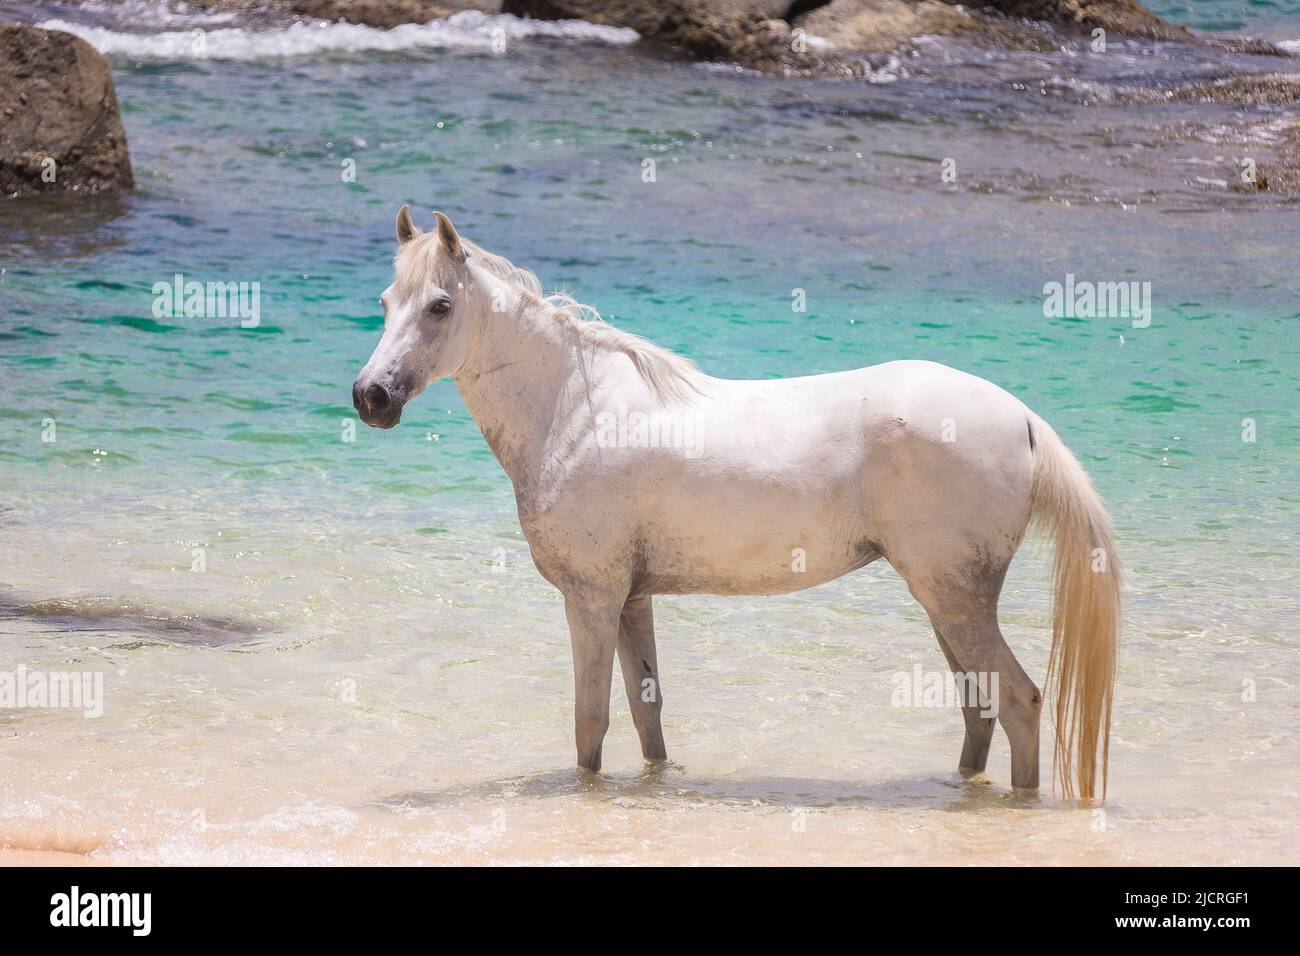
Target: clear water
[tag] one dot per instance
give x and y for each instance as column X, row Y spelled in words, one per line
column 1274, row 19
column 369, row 669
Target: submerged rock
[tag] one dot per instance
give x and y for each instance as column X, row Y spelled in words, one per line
column 1282, row 175
column 1264, row 89
column 1251, row 45
column 1251, row 89
column 1278, row 171
column 60, row 129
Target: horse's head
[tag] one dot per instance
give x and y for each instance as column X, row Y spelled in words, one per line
column 426, row 324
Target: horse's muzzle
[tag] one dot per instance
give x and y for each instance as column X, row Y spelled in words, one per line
column 377, row 407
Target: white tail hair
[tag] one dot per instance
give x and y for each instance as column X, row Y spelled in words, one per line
column 1086, row 591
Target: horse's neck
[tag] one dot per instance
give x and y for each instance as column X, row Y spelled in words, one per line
column 517, row 370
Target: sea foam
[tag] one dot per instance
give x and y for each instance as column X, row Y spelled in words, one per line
column 468, row 30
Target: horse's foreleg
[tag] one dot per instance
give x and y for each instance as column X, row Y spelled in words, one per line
column 593, row 630
column 979, row 729
column 636, row 656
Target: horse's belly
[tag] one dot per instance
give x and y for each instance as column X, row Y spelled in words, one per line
column 758, row 546
column 770, row 577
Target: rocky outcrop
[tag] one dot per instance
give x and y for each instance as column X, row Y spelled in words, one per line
column 829, row 36
column 648, row 17
column 876, row 26
column 60, row 129
column 1121, row 17
column 753, row 33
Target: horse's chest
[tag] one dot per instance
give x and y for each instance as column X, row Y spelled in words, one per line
column 568, row 547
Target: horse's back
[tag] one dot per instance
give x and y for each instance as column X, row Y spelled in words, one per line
column 794, row 482
column 843, row 419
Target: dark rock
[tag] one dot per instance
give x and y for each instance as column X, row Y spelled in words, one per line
column 877, row 26
column 59, row 119
column 833, row 34
column 751, row 33
column 1120, row 17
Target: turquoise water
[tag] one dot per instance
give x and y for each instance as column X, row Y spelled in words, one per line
column 1275, row 19
column 393, row 561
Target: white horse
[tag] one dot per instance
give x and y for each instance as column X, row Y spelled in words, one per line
column 636, row 474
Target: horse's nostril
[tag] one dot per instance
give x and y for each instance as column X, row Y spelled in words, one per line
column 376, row 397
column 356, row 397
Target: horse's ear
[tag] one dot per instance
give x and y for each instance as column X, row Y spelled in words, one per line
column 406, row 228
column 450, row 239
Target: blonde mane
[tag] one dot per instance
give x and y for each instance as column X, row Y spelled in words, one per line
column 669, row 375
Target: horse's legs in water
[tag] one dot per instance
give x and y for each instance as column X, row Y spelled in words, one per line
column 636, row 656
column 963, row 606
column 593, row 631
column 979, row 729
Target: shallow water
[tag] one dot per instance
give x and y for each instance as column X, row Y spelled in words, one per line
column 367, row 667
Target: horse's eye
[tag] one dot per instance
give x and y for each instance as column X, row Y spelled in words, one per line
column 440, row 306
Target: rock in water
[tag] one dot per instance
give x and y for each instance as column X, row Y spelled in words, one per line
column 761, row 34
column 60, row 129
column 1121, row 17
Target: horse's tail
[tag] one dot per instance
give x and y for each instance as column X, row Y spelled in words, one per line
column 1085, row 611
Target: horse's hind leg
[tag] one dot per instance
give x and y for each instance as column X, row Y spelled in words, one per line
column 979, row 729
column 978, row 645
column 963, row 606
column 636, row 656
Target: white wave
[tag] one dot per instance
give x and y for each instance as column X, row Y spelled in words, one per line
column 468, row 30
column 1291, row 46
column 153, row 14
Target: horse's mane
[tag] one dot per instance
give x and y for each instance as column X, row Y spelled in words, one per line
column 669, row 375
